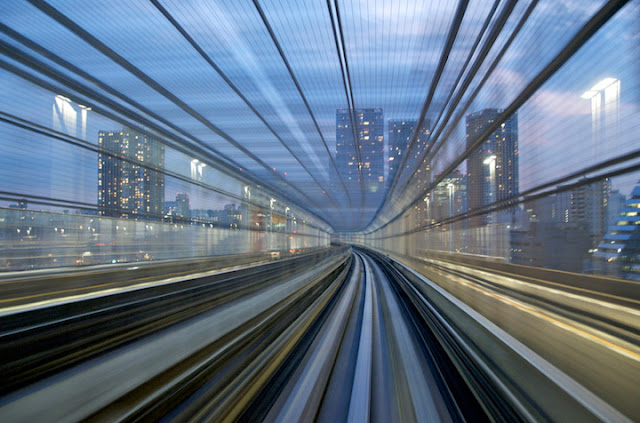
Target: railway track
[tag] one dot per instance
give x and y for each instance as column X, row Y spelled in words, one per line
column 342, row 337
column 586, row 312
column 39, row 342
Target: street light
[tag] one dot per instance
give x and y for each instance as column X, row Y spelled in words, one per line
column 489, row 159
column 599, row 87
column 491, row 162
column 605, row 103
column 428, row 210
column 271, row 202
column 451, row 188
column 196, row 169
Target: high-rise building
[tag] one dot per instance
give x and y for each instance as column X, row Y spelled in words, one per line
column 588, row 204
column 617, row 202
column 449, row 197
column 128, row 186
column 399, row 135
column 549, row 244
column 618, row 254
column 183, row 207
column 370, row 133
column 564, row 228
column 492, row 168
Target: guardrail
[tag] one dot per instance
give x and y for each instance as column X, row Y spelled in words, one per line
column 19, row 288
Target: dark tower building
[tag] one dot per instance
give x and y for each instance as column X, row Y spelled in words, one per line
column 492, row 168
column 126, row 189
column 370, row 133
column 400, row 133
column 183, row 206
column 587, row 204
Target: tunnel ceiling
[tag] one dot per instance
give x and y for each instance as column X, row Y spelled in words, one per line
column 260, row 87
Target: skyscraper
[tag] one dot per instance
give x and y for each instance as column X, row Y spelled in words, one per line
column 183, row 208
column 449, row 197
column 588, row 204
column 492, row 168
column 618, row 253
column 399, row 135
column 125, row 188
column 370, row 133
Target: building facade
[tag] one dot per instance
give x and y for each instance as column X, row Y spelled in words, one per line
column 492, row 168
column 552, row 245
column 449, row 197
column 618, row 253
column 587, row 203
column 370, row 139
column 128, row 185
column 399, row 135
column 183, row 206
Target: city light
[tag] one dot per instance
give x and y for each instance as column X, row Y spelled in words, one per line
column 601, row 85
column 489, row 159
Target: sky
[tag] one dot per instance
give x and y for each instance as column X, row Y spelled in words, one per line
column 241, row 102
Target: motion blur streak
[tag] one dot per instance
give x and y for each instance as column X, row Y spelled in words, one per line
column 302, row 210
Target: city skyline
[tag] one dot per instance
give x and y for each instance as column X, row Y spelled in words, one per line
column 388, row 122
column 493, row 167
column 285, row 122
column 556, row 108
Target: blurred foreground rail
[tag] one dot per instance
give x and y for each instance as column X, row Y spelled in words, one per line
column 335, row 335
